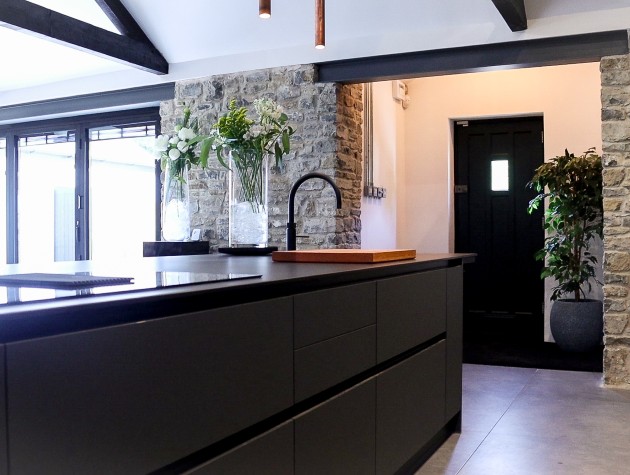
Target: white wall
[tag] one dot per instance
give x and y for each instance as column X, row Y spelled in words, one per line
column 568, row 97
column 413, row 149
column 379, row 216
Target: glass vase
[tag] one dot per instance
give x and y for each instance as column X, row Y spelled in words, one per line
column 248, row 184
column 176, row 205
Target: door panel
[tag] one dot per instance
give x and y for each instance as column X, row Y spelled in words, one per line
column 503, row 289
column 45, row 199
column 121, row 163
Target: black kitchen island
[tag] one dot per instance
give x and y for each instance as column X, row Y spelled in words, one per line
column 309, row 368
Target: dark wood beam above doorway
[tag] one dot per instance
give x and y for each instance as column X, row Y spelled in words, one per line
column 513, row 12
column 138, row 52
column 469, row 59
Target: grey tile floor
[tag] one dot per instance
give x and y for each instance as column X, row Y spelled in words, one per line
column 521, row 421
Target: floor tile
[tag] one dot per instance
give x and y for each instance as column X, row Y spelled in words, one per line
column 577, row 421
column 453, row 454
column 570, row 385
column 519, row 421
column 542, row 455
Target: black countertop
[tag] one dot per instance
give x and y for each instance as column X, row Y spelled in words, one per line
column 47, row 312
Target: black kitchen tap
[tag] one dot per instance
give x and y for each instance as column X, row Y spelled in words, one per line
column 291, row 232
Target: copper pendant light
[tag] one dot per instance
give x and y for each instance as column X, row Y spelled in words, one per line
column 320, row 24
column 264, row 8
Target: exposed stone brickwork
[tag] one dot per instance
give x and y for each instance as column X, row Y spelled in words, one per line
column 328, row 139
column 615, row 73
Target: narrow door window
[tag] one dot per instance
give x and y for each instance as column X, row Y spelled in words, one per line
column 500, row 175
column 46, row 197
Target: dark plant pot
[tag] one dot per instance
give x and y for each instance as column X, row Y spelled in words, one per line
column 577, row 326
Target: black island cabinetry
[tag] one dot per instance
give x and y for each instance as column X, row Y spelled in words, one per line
column 323, row 369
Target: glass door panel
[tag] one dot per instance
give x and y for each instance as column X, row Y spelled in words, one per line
column 46, row 198
column 122, row 194
column 3, row 200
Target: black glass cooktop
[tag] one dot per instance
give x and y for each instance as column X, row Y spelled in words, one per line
column 16, row 288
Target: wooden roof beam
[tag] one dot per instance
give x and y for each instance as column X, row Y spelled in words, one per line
column 30, row 18
column 513, row 12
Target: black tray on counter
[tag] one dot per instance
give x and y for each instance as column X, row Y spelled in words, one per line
column 248, row 251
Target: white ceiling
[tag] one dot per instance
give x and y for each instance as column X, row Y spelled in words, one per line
column 204, row 37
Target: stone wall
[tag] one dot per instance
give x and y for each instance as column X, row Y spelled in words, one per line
column 328, row 138
column 616, row 158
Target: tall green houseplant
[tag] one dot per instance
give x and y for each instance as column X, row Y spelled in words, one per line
column 574, row 216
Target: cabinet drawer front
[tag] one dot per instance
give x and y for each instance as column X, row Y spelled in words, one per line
column 324, row 364
column 337, row 438
column 269, row 454
column 409, row 407
column 411, row 309
column 134, row 398
column 329, row 313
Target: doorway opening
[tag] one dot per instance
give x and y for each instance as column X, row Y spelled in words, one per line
column 503, row 292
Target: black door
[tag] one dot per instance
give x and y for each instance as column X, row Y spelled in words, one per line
column 494, row 160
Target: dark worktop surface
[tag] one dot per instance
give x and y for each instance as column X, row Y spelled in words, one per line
column 46, row 312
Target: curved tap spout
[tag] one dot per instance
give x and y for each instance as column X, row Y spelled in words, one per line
column 291, row 228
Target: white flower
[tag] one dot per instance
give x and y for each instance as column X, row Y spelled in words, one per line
column 161, row 143
column 173, row 140
column 174, row 154
column 186, row 134
column 264, row 107
column 219, row 140
column 182, row 146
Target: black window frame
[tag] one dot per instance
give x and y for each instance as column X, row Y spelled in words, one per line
column 81, row 124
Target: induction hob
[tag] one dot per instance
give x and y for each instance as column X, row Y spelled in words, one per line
column 18, row 288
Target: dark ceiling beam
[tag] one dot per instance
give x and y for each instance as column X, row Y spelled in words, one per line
column 122, row 20
column 98, row 102
column 530, row 53
column 30, row 18
column 513, row 12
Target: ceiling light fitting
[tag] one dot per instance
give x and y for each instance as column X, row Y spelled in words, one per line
column 264, row 8
column 320, row 24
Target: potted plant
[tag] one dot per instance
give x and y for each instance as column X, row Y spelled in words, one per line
column 574, row 216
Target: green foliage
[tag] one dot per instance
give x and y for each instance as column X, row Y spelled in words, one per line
column 248, row 141
column 573, row 186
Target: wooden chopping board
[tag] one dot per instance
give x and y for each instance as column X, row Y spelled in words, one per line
column 344, row 255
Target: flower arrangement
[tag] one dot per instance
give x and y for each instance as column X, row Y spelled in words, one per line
column 183, row 149
column 248, row 141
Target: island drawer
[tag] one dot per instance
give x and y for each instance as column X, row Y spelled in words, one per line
column 269, row 454
column 324, row 364
column 410, row 407
column 337, row 437
column 133, row 398
column 328, row 313
column 411, row 309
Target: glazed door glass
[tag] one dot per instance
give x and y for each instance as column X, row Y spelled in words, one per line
column 122, row 191
column 46, row 197
column 3, row 200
